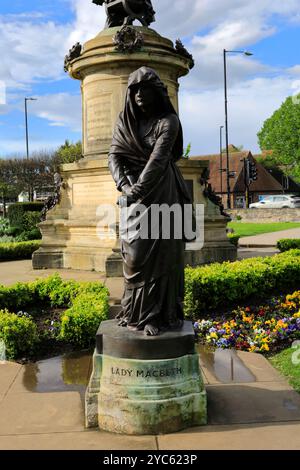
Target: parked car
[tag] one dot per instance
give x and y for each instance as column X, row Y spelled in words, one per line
column 283, row 201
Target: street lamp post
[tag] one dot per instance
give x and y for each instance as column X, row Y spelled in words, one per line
column 221, row 161
column 226, row 119
column 26, row 124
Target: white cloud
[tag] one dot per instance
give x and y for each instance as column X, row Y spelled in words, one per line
column 2, row 93
column 90, row 20
column 249, row 105
column 60, row 110
column 31, row 51
column 294, row 70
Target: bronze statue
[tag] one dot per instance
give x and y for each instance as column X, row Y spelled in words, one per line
column 146, row 144
column 124, row 12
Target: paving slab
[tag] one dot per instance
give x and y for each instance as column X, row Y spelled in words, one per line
column 249, row 437
column 8, row 373
column 58, row 374
column 260, row 367
column 84, row 440
column 268, row 239
column 245, row 253
column 260, row 402
column 34, row 413
column 22, row 271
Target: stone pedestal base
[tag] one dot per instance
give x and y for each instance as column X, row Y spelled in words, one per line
column 147, row 392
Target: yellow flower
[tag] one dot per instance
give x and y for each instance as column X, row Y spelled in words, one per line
column 214, row 335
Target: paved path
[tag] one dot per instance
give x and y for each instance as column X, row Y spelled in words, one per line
column 21, row 271
column 268, row 239
column 254, row 409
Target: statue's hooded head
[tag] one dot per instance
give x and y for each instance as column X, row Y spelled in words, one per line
column 163, row 105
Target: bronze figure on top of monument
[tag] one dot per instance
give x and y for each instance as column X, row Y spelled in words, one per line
column 124, row 12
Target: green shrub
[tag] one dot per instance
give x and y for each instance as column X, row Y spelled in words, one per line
column 17, row 296
column 218, row 285
column 233, row 238
column 16, row 212
column 34, row 234
column 30, row 220
column 88, row 302
column 18, row 250
column 6, row 239
column 60, row 293
column 13, row 231
column 79, row 323
column 4, row 226
column 19, row 334
column 287, row 244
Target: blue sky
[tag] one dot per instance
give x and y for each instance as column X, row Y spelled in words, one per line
column 35, row 36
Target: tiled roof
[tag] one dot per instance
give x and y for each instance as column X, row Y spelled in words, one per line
column 264, row 183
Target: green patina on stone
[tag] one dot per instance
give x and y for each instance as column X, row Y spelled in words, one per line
column 145, row 397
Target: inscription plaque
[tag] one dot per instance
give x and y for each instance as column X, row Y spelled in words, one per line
column 99, row 117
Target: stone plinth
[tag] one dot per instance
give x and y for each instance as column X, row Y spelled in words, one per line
column 104, row 74
column 145, row 385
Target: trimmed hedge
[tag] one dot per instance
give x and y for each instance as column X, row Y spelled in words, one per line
column 79, row 324
column 18, row 250
column 18, row 333
column 16, row 212
column 86, row 303
column 286, row 244
column 234, row 239
column 218, row 285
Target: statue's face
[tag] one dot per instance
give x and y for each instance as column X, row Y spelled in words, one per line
column 144, row 96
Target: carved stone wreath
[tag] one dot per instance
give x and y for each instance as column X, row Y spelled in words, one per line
column 128, row 40
column 74, row 53
column 181, row 50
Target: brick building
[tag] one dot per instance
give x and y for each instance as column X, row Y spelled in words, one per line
column 269, row 181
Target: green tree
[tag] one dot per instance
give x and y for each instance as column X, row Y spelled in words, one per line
column 34, row 174
column 281, row 134
column 9, row 188
column 233, row 149
column 68, row 152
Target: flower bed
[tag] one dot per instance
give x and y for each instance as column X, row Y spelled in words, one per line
column 216, row 286
column 255, row 329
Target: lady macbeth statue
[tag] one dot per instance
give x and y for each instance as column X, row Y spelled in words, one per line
column 146, row 144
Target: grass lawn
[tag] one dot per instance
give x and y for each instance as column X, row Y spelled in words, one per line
column 283, row 362
column 245, row 229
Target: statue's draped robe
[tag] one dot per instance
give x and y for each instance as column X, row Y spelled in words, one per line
column 153, row 268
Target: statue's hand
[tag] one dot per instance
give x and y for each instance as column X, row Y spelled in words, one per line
column 126, row 200
column 126, row 189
